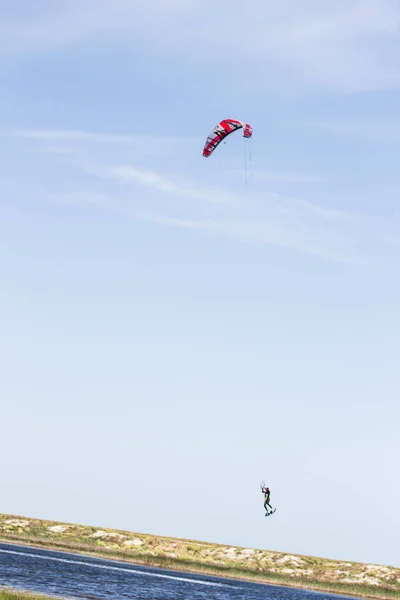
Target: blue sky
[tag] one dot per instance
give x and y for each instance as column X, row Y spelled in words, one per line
column 170, row 335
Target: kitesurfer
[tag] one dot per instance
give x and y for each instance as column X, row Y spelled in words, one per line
column 267, row 494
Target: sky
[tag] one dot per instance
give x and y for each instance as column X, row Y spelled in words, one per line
column 175, row 329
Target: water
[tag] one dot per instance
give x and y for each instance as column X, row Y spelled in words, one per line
column 72, row 575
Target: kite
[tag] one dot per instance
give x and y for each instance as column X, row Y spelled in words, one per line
column 221, row 131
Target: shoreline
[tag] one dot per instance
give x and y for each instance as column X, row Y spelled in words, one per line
column 320, row 575
column 250, row 578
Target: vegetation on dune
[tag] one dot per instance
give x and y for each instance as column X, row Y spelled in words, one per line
column 200, row 557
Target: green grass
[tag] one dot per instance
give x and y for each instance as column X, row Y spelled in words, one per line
column 7, row 594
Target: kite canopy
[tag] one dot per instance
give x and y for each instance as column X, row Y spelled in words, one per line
column 222, row 130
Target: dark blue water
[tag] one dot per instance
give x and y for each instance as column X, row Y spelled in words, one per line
column 72, row 575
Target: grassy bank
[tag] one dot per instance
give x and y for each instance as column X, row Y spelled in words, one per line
column 264, row 566
column 7, row 594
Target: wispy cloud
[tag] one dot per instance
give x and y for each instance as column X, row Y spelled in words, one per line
column 286, row 177
column 68, row 142
column 68, row 135
column 273, row 231
column 95, row 199
column 146, row 189
column 347, row 45
column 139, row 175
column 262, row 220
column 152, row 179
column 376, row 131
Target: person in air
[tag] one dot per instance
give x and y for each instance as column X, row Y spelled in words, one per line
column 267, row 494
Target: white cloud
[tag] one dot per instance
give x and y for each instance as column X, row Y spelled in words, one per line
column 377, row 131
column 90, row 198
column 68, row 135
column 159, row 182
column 347, row 45
column 69, row 142
column 273, row 231
column 133, row 174
column 286, row 177
column 262, row 220
column 146, row 189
